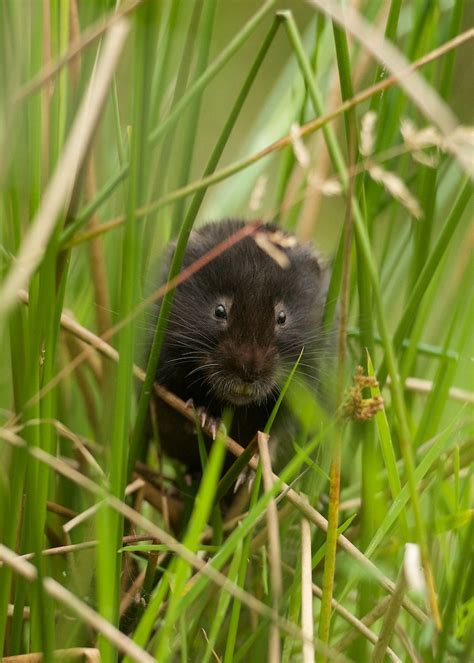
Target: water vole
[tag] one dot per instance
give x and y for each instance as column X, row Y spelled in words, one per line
column 236, row 328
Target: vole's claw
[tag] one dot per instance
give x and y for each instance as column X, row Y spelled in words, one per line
column 246, row 476
column 251, row 480
column 208, row 421
column 189, row 403
column 240, row 480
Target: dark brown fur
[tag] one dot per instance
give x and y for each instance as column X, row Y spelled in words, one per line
column 239, row 361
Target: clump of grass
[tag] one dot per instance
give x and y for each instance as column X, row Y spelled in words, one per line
column 94, row 524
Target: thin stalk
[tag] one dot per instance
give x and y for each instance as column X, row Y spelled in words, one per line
column 447, row 66
column 162, row 169
column 193, row 113
column 110, row 523
column 424, row 349
column 165, row 50
column 31, row 534
column 14, row 485
column 288, row 158
column 390, row 33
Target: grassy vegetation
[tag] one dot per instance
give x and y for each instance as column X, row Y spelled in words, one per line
column 124, row 125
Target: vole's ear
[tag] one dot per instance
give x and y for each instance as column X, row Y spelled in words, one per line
column 312, row 259
column 195, row 245
column 317, row 269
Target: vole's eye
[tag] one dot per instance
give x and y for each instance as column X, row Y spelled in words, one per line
column 220, row 312
column 281, row 318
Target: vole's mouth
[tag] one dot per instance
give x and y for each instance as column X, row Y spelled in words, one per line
column 238, row 392
column 241, row 397
column 245, row 389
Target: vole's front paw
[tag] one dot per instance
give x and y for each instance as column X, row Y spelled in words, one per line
column 206, row 420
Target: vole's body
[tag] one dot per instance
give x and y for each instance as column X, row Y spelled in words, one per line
column 236, row 328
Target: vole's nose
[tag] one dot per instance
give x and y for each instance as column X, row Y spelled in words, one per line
column 250, row 363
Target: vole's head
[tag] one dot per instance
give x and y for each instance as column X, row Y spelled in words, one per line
column 239, row 324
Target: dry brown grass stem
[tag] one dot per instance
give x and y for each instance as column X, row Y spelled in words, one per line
column 83, row 654
column 274, row 549
column 81, row 609
column 129, row 539
column 133, row 592
column 413, row 655
column 157, row 533
column 426, row 386
column 307, row 618
column 81, row 517
column 60, row 510
column 93, row 361
column 367, row 620
column 74, row 38
column 361, row 627
column 11, row 610
column 57, row 195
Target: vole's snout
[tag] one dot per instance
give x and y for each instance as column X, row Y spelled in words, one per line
column 247, row 373
column 249, row 363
